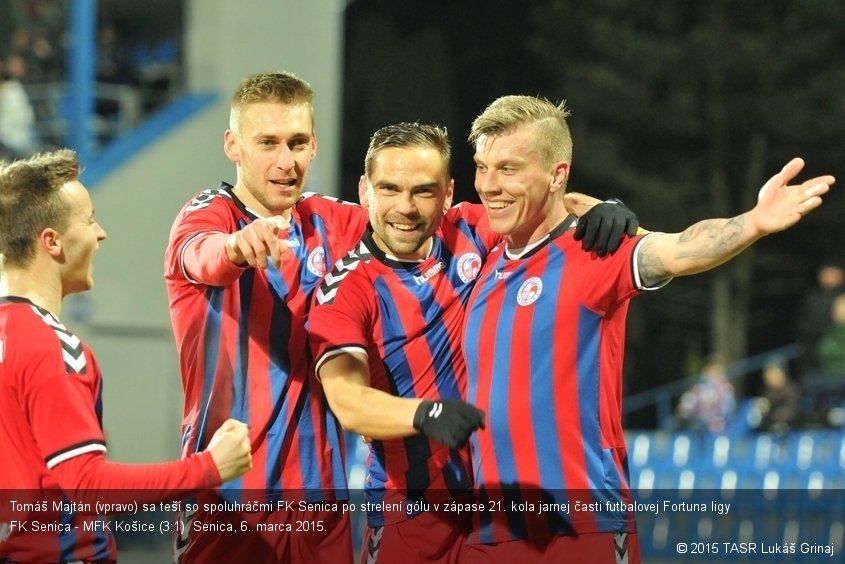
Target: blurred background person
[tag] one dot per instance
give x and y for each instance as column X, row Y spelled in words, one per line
column 828, row 382
column 830, row 351
column 710, row 402
column 778, row 407
column 17, row 118
column 814, row 317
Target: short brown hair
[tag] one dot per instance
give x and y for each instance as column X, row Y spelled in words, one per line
column 31, row 200
column 274, row 87
column 407, row 134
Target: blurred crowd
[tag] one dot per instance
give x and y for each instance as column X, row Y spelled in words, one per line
column 813, row 397
column 134, row 77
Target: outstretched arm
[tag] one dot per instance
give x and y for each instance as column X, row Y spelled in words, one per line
column 711, row 242
column 89, row 477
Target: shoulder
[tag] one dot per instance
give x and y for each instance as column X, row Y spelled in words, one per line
column 345, row 272
column 30, row 333
column 467, row 213
column 471, row 221
column 312, row 202
column 213, row 209
column 208, row 197
column 25, row 321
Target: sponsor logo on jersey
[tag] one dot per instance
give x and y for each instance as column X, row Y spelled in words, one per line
column 468, row 267
column 430, row 273
column 316, row 262
column 501, row 274
column 530, row 291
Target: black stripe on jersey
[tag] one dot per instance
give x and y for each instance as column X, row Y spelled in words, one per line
column 330, row 283
column 71, row 448
column 73, row 354
column 568, row 222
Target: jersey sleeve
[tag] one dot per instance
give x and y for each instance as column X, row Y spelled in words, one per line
column 341, row 315
column 91, row 476
column 610, row 280
column 196, row 251
column 62, row 391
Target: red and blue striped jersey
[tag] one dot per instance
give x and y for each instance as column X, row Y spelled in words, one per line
column 407, row 317
column 50, row 412
column 544, row 343
column 243, row 347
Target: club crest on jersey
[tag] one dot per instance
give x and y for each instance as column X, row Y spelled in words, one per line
column 468, row 266
column 530, row 291
column 316, row 262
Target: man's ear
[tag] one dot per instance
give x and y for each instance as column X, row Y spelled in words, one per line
column 362, row 192
column 231, row 146
column 51, row 241
column 560, row 176
column 450, row 194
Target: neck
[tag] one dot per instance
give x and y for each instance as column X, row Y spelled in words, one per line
column 545, row 223
column 250, row 201
column 26, row 283
column 419, row 255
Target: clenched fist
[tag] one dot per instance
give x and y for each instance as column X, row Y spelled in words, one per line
column 231, row 450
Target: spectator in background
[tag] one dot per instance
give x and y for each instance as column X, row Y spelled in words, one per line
column 17, row 118
column 824, row 385
column 831, row 348
column 114, row 64
column 709, row 402
column 814, row 317
column 40, row 60
column 778, row 408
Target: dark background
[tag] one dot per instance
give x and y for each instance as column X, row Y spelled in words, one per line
column 681, row 109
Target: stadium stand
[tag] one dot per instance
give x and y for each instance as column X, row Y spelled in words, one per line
column 783, row 491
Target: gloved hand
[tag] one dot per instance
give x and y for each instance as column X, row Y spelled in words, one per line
column 603, row 227
column 450, row 422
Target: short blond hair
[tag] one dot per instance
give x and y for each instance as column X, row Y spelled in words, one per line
column 508, row 113
column 270, row 87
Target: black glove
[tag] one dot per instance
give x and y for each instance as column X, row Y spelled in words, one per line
column 602, row 228
column 450, row 422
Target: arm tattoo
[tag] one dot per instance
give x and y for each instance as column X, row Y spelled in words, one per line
column 700, row 247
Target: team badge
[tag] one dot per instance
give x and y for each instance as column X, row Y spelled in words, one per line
column 530, row 291
column 468, row 266
column 316, row 262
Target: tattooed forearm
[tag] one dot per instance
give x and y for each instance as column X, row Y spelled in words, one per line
column 711, row 239
column 700, row 247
